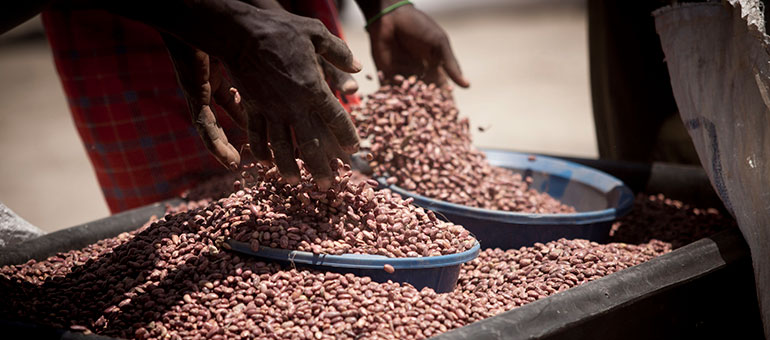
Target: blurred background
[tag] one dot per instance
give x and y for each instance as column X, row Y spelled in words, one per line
column 527, row 62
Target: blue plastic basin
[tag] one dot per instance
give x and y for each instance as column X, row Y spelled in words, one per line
column 437, row 272
column 598, row 197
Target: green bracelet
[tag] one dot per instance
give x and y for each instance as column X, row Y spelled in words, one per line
column 387, row 10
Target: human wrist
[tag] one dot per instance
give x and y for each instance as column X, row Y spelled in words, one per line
column 371, row 8
column 386, row 11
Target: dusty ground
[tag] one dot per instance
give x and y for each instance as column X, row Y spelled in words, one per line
column 527, row 61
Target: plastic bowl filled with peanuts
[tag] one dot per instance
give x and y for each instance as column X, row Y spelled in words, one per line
column 421, row 149
column 349, row 228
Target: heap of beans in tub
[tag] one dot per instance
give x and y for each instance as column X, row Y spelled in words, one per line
column 174, row 278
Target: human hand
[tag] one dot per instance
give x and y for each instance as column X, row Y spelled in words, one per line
column 406, row 41
column 288, row 101
column 284, row 98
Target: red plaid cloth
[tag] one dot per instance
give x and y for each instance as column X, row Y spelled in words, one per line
column 128, row 108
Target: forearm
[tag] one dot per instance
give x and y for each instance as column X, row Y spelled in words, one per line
column 189, row 20
column 192, row 21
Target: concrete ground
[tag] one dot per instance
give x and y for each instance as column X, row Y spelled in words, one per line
column 527, row 62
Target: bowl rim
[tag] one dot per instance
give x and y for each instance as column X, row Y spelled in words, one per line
column 357, row 261
column 540, row 164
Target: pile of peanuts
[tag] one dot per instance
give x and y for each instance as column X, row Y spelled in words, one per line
column 221, row 185
column 516, row 277
column 212, row 188
column 169, row 280
column 348, row 218
column 669, row 220
column 417, row 139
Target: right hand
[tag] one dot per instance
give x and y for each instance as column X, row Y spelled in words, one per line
column 283, row 92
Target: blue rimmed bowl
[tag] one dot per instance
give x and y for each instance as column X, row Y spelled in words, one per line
column 437, row 272
column 599, row 199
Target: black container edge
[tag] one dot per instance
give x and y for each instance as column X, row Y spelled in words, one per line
column 80, row 236
column 593, row 310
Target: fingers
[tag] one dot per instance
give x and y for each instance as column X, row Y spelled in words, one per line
column 334, row 50
column 434, row 74
column 393, row 59
column 312, row 151
column 340, row 124
column 383, row 55
column 214, row 138
column 257, row 131
column 205, row 122
column 451, row 66
column 339, row 80
column 329, row 142
column 192, row 70
column 225, row 95
column 283, row 152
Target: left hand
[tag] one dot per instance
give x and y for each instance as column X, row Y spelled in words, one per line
column 408, row 42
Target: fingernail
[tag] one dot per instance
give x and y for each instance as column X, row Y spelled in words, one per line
column 233, row 166
column 350, row 86
column 236, row 95
column 357, row 65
